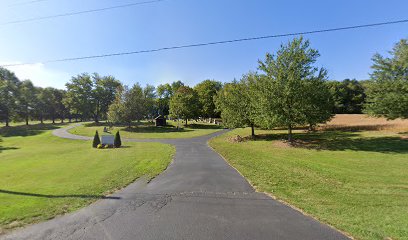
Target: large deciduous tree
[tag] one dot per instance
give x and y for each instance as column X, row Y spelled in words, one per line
column 103, row 94
column 387, row 93
column 236, row 102
column 184, row 104
column 79, row 95
column 284, row 90
column 206, row 91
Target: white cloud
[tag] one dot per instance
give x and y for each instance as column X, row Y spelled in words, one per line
column 39, row 74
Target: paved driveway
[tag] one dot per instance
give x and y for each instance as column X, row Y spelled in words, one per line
column 198, row 197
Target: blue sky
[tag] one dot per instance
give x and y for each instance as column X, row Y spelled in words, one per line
column 345, row 54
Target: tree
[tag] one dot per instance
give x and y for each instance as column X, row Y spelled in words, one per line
column 79, row 95
column 8, row 95
column 130, row 105
column 319, row 101
column 175, row 86
column 184, row 104
column 164, row 93
column 150, row 101
column 288, row 79
column 103, row 94
column 206, row 91
column 96, row 141
column 387, row 93
column 26, row 99
column 117, row 141
column 348, row 96
column 235, row 101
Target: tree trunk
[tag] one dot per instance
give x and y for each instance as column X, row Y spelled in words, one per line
column 26, row 119
column 7, row 120
column 53, row 120
column 290, row 138
column 41, row 118
column 186, row 122
column 252, row 130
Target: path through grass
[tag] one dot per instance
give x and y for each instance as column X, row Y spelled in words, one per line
column 42, row 176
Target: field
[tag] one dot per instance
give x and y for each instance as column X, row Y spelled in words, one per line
column 148, row 130
column 42, row 176
column 355, row 179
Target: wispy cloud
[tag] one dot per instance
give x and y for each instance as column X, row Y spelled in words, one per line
column 39, row 74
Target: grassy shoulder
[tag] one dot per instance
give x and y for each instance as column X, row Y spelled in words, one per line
column 148, row 130
column 355, row 181
column 42, row 176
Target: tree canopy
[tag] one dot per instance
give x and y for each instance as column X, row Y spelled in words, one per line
column 387, row 93
column 286, row 89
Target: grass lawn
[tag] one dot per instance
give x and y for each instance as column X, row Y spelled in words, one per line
column 42, row 176
column 355, row 181
column 148, row 130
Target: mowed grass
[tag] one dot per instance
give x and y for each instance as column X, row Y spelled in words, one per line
column 148, row 130
column 42, row 176
column 355, row 181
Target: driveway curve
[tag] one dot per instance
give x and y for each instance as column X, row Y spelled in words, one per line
column 199, row 196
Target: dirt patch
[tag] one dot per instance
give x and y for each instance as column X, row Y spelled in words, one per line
column 235, row 139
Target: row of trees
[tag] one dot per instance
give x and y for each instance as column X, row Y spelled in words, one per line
column 21, row 100
column 103, row 97
column 291, row 91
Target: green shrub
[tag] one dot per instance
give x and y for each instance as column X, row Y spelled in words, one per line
column 99, row 146
column 107, row 146
column 96, row 140
column 117, row 141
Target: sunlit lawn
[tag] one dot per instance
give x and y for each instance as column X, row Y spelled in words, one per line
column 42, row 176
column 355, row 181
column 148, row 130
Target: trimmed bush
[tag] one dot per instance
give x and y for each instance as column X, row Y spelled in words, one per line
column 117, row 141
column 96, row 140
column 99, row 146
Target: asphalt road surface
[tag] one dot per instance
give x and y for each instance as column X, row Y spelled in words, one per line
column 199, row 196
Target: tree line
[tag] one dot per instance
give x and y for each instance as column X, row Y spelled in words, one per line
column 288, row 90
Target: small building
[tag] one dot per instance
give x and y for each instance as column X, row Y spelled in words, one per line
column 160, row 121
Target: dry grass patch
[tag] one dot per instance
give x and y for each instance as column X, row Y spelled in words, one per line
column 362, row 122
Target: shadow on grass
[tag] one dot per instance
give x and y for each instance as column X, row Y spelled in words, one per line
column 30, row 130
column 57, row 196
column 341, row 141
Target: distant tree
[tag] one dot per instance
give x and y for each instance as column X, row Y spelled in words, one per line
column 149, row 93
column 26, row 99
column 116, row 109
column 184, row 104
column 103, row 94
column 175, row 87
column 387, row 94
column 348, row 96
column 8, row 95
column 79, row 95
column 206, row 91
column 164, row 93
column 284, row 88
column 236, row 102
